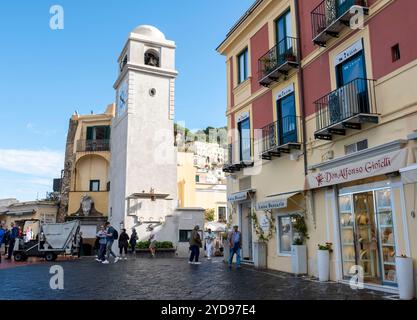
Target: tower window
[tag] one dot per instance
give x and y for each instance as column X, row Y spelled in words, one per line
column 396, row 53
column 152, row 58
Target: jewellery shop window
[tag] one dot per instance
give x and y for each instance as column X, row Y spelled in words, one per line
column 285, row 234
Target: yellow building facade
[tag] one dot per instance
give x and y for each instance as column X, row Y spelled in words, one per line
column 353, row 177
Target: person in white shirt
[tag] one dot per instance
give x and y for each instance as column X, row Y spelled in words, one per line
column 210, row 237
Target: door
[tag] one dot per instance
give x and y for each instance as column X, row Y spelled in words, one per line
column 366, row 236
column 342, row 6
column 284, row 36
column 351, row 97
column 244, row 140
column 287, row 128
column 246, row 229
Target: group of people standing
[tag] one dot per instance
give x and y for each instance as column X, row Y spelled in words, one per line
column 8, row 239
column 234, row 239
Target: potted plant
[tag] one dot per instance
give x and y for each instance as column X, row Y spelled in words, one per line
column 404, row 266
column 323, row 261
column 298, row 248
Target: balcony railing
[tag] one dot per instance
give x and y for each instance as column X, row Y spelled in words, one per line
column 278, row 61
column 330, row 17
column 93, row 145
column 244, row 159
column 346, row 108
column 281, row 137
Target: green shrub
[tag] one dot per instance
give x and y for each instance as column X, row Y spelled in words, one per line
column 159, row 245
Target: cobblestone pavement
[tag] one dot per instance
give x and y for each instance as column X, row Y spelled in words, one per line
column 161, row 279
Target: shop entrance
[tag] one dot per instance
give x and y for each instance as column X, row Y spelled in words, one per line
column 367, row 235
column 246, row 229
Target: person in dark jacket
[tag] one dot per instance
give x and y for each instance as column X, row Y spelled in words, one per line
column 6, row 240
column 123, row 244
column 2, row 233
column 195, row 245
column 133, row 240
column 14, row 232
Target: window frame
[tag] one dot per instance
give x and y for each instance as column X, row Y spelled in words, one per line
column 92, row 183
column 241, row 140
column 279, row 218
column 225, row 213
column 245, row 54
column 180, row 239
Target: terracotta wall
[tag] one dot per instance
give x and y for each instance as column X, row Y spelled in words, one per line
column 262, row 111
column 259, row 46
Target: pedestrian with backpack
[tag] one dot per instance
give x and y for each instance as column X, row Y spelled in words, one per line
column 111, row 235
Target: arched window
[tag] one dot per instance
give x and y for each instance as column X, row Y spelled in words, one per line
column 152, row 58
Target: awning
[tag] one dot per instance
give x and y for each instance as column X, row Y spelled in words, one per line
column 409, row 174
column 216, row 226
column 240, row 196
column 275, row 202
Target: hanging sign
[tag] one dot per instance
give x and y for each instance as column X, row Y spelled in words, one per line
column 272, row 204
column 264, row 223
column 349, row 52
column 382, row 164
column 240, row 196
column 285, row 92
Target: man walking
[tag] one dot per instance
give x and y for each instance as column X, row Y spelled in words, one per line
column 110, row 237
column 14, row 232
column 210, row 236
column 235, row 243
column 133, row 240
column 195, row 245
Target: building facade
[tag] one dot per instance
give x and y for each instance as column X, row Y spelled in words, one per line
column 85, row 182
column 350, row 171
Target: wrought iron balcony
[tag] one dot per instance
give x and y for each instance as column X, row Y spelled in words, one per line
column 330, row 17
column 281, row 137
column 346, row 108
column 93, row 145
column 245, row 159
column 278, row 61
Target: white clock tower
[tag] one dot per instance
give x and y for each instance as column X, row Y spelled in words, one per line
column 143, row 170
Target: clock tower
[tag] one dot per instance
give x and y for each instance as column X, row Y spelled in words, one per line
column 143, row 170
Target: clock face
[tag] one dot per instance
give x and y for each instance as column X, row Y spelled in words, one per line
column 122, row 97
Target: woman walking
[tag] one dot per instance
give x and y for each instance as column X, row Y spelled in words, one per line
column 152, row 245
column 123, row 244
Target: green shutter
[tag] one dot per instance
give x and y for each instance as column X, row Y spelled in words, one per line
column 90, row 132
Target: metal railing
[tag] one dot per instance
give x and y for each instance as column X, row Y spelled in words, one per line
column 280, row 133
column 284, row 51
column 356, row 97
column 93, row 145
column 329, row 11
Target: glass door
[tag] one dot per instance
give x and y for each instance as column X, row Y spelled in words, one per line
column 386, row 236
column 284, row 34
column 366, row 238
column 245, row 141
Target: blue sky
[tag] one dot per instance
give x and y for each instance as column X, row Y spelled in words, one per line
column 45, row 75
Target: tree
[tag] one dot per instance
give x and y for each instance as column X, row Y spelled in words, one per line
column 209, row 215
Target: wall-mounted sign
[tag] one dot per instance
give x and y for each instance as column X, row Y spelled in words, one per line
column 285, row 92
column 264, row 223
column 371, row 167
column 349, row 52
column 272, row 204
column 240, row 196
column 243, row 116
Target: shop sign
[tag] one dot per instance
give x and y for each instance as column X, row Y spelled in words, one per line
column 285, row 92
column 238, row 196
column 371, row 167
column 271, row 204
column 348, row 53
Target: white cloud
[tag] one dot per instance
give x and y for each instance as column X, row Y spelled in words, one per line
column 40, row 163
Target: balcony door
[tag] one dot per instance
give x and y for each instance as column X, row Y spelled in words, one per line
column 244, row 140
column 98, row 133
column 287, row 127
column 284, row 34
column 351, row 96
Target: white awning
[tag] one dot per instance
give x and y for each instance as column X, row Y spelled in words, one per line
column 276, row 202
column 409, row 174
column 239, row 196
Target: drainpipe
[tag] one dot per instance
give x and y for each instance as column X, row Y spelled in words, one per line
column 301, row 84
